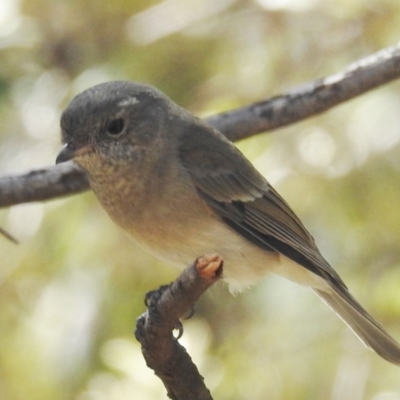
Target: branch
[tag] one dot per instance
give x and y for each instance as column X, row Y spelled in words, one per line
column 154, row 329
column 311, row 98
column 297, row 104
column 42, row 184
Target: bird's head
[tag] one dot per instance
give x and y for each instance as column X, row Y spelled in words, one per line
column 114, row 123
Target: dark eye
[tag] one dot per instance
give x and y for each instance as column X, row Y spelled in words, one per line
column 115, row 126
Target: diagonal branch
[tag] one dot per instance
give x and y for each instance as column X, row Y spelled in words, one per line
column 162, row 352
column 297, row 104
column 311, row 98
column 42, row 184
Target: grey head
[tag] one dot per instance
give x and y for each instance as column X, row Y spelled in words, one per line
column 115, row 122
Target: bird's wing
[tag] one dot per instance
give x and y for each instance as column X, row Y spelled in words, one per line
column 245, row 201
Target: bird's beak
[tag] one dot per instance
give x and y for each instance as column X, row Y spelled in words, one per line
column 70, row 151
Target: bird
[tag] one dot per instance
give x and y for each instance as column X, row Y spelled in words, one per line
column 181, row 189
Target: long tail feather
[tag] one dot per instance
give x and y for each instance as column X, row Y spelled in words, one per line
column 363, row 325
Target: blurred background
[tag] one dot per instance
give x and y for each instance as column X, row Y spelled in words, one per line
column 71, row 290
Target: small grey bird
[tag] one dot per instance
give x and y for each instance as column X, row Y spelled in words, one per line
column 181, row 190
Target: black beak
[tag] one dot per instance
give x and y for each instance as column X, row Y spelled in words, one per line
column 66, row 154
column 70, row 151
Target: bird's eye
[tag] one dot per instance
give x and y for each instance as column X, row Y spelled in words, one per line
column 115, row 126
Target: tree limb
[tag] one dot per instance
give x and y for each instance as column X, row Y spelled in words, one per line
column 154, row 329
column 311, row 98
column 299, row 103
column 42, row 184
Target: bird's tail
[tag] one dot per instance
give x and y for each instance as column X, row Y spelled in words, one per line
column 363, row 325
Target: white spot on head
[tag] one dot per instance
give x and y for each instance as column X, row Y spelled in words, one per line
column 129, row 101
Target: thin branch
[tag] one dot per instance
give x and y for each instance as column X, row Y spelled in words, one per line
column 8, row 236
column 311, row 98
column 42, row 184
column 305, row 101
column 154, row 329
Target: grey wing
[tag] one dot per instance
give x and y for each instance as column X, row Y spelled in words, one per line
column 245, row 201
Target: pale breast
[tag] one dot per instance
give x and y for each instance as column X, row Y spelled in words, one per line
column 175, row 224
